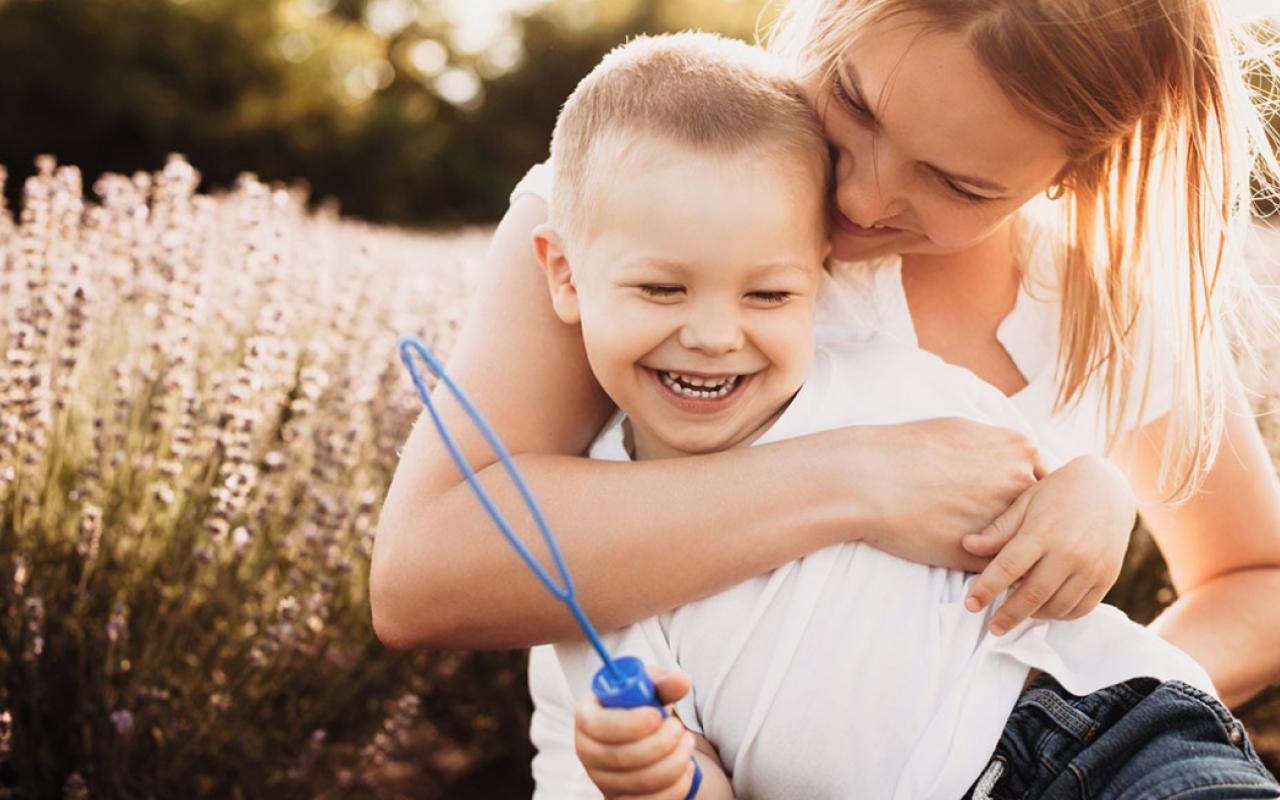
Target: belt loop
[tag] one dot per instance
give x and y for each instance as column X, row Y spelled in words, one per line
column 990, row 776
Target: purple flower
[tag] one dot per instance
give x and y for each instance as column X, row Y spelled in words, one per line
column 122, row 720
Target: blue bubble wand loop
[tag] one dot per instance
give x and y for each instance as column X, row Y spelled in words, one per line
column 620, row 683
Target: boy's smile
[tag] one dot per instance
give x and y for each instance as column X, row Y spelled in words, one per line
column 695, row 289
column 700, row 393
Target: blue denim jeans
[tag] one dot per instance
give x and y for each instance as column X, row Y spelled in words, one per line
column 1137, row 740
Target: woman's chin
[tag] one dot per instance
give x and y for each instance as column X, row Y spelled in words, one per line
column 844, row 249
column 863, row 248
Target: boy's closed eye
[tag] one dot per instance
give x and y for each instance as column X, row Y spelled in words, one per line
column 772, row 297
column 666, row 292
column 660, row 291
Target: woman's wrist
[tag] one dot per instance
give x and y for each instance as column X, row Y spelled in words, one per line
column 822, row 477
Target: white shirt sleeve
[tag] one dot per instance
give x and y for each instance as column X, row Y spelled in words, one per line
column 557, row 772
column 537, row 182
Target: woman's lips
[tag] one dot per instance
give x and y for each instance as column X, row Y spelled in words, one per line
column 852, row 228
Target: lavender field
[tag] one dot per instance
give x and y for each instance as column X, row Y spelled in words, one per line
column 200, row 412
column 199, row 415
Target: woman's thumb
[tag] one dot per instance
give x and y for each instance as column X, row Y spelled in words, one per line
column 989, row 541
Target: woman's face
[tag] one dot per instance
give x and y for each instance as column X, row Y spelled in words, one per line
column 930, row 155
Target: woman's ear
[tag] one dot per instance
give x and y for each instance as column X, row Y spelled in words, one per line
column 1061, row 183
column 548, row 246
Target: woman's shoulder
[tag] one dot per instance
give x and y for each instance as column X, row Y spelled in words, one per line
column 859, row 301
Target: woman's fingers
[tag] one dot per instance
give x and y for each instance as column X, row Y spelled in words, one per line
column 991, row 539
column 655, row 778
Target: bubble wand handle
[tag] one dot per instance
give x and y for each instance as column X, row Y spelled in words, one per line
column 620, row 683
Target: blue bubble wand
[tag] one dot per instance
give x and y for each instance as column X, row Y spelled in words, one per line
column 621, row 682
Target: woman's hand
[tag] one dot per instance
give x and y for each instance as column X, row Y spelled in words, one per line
column 1064, row 540
column 922, row 486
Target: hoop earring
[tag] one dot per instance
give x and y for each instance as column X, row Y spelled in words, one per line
column 1055, row 191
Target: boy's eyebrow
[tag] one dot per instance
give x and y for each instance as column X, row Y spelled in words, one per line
column 846, row 74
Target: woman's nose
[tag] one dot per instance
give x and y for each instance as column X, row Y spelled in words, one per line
column 713, row 331
column 869, row 188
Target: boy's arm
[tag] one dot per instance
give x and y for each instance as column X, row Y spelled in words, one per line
column 1080, row 514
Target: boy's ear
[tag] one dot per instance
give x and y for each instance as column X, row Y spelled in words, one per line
column 548, row 246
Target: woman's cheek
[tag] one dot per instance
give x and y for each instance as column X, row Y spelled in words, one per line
column 958, row 228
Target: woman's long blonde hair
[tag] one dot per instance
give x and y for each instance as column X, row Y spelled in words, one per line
column 1154, row 101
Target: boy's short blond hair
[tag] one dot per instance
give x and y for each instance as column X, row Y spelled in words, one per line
column 699, row 90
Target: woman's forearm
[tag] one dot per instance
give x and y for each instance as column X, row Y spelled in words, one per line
column 1223, row 551
column 643, row 537
column 1231, row 625
column 638, row 538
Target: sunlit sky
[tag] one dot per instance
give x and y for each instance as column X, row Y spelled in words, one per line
column 485, row 33
column 1243, row 10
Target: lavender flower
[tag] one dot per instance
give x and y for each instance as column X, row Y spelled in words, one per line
column 75, row 788
column 122, row 720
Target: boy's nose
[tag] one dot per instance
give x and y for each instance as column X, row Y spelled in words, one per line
column 713, row 333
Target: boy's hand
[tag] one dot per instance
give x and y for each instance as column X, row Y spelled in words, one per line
column 633, row 753
column 1063, row 540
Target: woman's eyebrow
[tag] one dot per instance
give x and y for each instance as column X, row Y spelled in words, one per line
column 848, row 76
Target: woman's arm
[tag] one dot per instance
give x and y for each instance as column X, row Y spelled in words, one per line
column 1223, row 552
column 641, row 537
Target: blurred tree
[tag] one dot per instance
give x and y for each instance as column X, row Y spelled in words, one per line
column 393, row 106
column 408, row 111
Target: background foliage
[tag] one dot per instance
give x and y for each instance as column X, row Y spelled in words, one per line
column 422, row 112
column 408, row 112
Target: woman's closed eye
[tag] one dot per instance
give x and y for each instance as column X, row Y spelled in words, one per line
column 960, row 192
column 845, row 99
column 855, row 107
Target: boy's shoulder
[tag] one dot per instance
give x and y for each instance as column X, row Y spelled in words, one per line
column 882, row 367
column 883, row 382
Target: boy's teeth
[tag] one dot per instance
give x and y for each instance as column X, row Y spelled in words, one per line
column 701, row 388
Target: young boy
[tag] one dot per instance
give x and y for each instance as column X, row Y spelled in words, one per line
column 686, row 237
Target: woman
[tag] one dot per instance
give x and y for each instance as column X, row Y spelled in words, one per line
column 1152, row 199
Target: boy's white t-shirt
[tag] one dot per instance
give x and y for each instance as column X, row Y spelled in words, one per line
column 850, row 672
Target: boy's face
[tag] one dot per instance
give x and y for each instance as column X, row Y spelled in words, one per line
column 695, row 291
